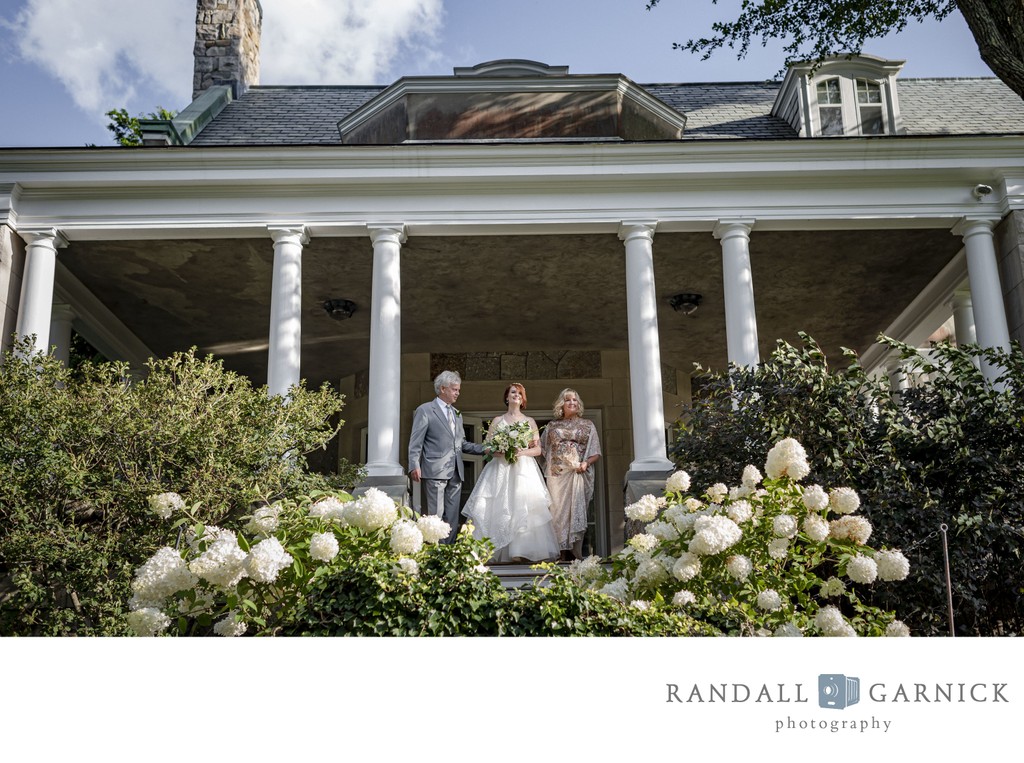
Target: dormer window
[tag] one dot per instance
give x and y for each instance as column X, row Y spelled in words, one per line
column 852, row 96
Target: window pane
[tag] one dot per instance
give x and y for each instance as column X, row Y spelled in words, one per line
column 868, row 92
column 871, row 120
column 828, row 92
column 831, row 120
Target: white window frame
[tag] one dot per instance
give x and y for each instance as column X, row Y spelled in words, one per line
column 850, row 107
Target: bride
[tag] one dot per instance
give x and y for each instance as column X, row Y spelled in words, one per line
column 509, row 504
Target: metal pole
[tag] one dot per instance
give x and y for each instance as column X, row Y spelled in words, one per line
column 949, row 584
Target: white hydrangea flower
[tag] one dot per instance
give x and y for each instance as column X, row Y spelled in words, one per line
column 784, row 526
column 165, row 504
column 762, row 633
column 769, row 600
column 323, row 546
column 897, row 628
column 617, row 589
column 832, row 588
column 843, row 500
column 663, row 530
column 407, row 566
column 223, row 562
column 679, row 482
column 644, row 510
column 855, row 528
column 687, row 567
column 330, row 508
column 640, row 604
column 684, row 598
column 650, row 572
column 739, row 566
column 787, row 459
column 788, row 630
column 433, row 528
column 862, row 569
column 147, row 621
column 778, row 548
column 644, row 542
column 264, row 521
column 161, row 576
column 751, row 476
column 374, row 510
column 692, row 504
column 892, row 564
column 815, row 498
column 717, row 492
column 228, row 627
column 266, row 560
column 586, row 569
column 816, row 527
column 714, row 534
column 739, row 511
column 740, row 491
column 830, row 621
column 406, row 537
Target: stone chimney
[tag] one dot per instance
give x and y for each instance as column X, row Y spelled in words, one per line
column 227, row 50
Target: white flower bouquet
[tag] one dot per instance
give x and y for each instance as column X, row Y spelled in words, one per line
column 511, row 439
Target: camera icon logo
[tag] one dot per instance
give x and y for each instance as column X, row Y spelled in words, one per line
column 837, row 691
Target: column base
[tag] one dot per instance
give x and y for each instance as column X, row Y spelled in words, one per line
column 396, row 487
column 638, row 484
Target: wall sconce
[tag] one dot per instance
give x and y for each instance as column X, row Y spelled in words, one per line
column 685, row 303
column 340, row 309
column 980, row 191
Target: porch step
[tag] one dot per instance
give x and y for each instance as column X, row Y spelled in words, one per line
column 515, row 575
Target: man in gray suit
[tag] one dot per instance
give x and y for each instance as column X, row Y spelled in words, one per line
column 436, row 446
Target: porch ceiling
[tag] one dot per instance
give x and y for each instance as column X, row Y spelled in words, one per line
column 507, row 293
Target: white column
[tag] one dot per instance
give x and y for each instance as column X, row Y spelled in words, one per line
column 896, row 370
column 963, row 318
column 986, row 292
column 385, row 395
column 649, row 452
column 60, row 332
column 740, row 318
column 285, row 351
column 37, row 284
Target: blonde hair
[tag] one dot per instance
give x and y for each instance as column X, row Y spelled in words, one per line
column 559, row 407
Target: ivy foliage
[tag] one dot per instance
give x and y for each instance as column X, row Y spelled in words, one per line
column 945, row 453
column 81, row 451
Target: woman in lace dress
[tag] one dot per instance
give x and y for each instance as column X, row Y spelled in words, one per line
column 509, row 504
column 571, row 447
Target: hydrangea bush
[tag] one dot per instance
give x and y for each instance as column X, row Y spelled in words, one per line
column 769, row 556
column 257, row 579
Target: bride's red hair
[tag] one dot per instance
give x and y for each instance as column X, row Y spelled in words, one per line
column 522, row 394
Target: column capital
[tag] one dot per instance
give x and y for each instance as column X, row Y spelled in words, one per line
column 637, row 228
column 393, row 232
column 971, row 224
column 727, row 227
column 294, row 234
column 960, row 298
column 51, row 236
column 63, row 311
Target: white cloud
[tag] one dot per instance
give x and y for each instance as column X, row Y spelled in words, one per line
column 105, row 51
column 340, row 42
column 110, row 53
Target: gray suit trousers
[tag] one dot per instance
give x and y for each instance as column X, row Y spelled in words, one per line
column 441, row 498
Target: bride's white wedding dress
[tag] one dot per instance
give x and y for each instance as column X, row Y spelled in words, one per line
column 509, row 506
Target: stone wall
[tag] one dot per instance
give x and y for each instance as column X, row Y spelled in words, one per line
column 227, row 48
column 601, row 377
column 1010, row 249
column 12, row 265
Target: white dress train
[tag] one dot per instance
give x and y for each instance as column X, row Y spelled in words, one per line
column 509, row 506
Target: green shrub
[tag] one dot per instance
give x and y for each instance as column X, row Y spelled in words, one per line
column 80, row 452
column 945, row 452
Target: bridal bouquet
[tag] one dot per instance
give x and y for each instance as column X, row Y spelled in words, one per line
column 511, row 439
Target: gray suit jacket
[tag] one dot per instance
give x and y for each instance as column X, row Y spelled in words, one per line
column 433, row 449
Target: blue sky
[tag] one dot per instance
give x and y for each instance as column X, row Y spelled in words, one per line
column 65, row 62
